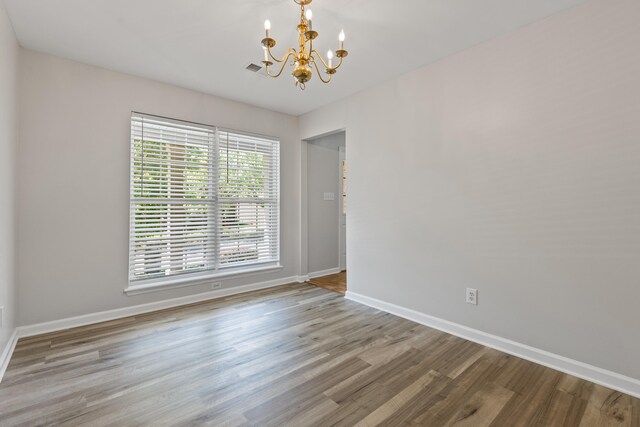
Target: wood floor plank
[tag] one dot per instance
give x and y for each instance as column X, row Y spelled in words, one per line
column 459, row 391
column 293, row 355
column 482, row 408
column 556, row 411
column 392, row 405
column 533, row 391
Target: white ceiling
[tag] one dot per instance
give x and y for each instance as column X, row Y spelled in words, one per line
column 205, row 44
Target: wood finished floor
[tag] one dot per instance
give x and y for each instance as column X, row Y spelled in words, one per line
column 294, row 355
column 333, row 282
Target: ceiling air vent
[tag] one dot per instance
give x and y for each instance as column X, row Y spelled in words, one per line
column 254, row 68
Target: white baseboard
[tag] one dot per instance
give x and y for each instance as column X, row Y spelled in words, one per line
column 88, row 319
column 7, row 352
column 613, row 380
column 323, row 273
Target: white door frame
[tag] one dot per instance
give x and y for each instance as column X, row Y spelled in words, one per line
column 342, row 222
column 303, row 211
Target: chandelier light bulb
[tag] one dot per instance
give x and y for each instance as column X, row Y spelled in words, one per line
column 309, row 15
column 341, row 38
column 267, row 27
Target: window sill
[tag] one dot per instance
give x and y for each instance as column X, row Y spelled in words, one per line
column 181, row 282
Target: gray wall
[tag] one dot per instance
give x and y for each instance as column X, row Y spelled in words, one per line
column 73, row 182
column 8, row 103
column 323, row 172
column 514, row 168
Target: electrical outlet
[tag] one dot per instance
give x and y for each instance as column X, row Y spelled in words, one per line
column 216, row 285
column 472, row 296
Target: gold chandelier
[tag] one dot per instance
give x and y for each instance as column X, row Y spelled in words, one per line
column 306, row 56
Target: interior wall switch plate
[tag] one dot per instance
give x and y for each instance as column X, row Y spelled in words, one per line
column 329, row 196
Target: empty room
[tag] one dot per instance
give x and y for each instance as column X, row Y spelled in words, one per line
column 320, row 213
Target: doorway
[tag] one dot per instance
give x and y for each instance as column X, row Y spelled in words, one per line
column 343, row 207
column 326, row 166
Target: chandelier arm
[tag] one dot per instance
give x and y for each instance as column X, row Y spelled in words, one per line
column 324, row 63
column 339, row 64
column 320, row 58
column 289, row 52
column 284, row 64
column 319, row 73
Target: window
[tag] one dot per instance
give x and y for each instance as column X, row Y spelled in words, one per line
column 203, row 200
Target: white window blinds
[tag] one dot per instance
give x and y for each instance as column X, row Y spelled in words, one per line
column 202, row 199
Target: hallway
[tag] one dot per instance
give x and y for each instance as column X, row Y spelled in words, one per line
column 333, row 282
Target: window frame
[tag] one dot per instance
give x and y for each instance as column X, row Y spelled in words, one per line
column 216, row 271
